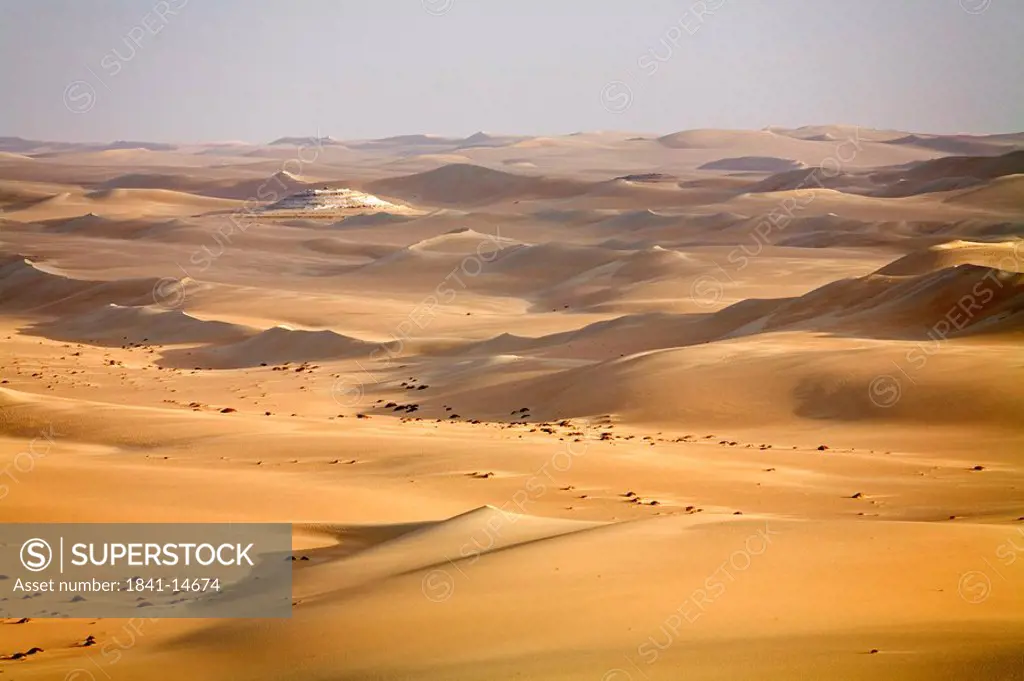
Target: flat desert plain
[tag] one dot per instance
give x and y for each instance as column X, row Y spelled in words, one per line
column 605, row 406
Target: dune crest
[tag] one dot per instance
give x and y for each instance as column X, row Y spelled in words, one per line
column 276, row 346
column 143, row 325
column 31, row 287
column 473, row 185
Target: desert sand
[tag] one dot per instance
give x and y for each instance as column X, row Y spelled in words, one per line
column 607, row 406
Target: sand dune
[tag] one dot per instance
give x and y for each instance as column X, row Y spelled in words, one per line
column 337, row 246
column 99, row 157
column 807, row 178
column 90, row 225
column 519, row 163
column 758, row 164
column 660, row 408
column 851, row 147
column 270, row 188
column 120, row 203
column 944, row 303
column 549, row 275
column 662, row 553
column 409, row 141
column 550, row 262
column 836, row 230
column 371, row 219
column 972, row 145
column 276, row 346
column 977, row 167
column 463, row 241
column 446, row 252
column 483, row 139
column 21, row 145
column 639, row 219
column 830, row 383
column 627, row 334
column 1002, row 194
column 573, row 217
column 20, row 194
column 713, row 139
column 306, row 141
column 938, row 293
column 31, row 287
column 436, row 544
column 946, row 174
column 117, row 325
column 472, row 185
column 1007, row 255
column 432, row 160
column 135, row 145
column 838, row 132
column 649, row 178
column 909, row 188
column 274, row 188
column 934, row 306
column 574, row 141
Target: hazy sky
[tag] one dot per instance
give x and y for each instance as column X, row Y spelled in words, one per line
column 203, row 70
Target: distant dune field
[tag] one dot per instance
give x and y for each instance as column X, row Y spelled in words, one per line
column 602, row 406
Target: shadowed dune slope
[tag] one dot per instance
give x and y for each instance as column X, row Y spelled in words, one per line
column 30, row 287
column 116, row 325
column 461, row 184
column 276, row 346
